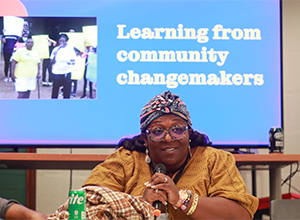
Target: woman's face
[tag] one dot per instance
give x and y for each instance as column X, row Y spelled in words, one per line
column 29, row 44
column 169, row 152
column 62, row 41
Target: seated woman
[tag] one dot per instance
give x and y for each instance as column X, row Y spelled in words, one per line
column 199, row 182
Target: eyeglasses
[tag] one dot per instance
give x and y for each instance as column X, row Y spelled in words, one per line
column 158, row 134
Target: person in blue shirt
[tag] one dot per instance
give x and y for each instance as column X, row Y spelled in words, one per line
column 9, row 42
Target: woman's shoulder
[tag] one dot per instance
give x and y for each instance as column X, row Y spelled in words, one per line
column 124, row 153
column 124, row 158
column 211, row 153
column 20, row 51
column 55, row 48
column 212, row 150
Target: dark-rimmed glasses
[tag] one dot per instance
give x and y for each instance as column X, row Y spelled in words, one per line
column 158, row 134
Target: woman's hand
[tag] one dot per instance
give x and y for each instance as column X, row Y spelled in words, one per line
column 151, row 195
column 53, row 60
column 163, row 185
column 3, row 40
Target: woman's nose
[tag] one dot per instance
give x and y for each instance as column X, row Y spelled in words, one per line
column 168, row 137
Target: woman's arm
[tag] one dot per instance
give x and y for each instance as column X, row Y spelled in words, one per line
column 226, row 197
column 39, row 71
column 53, row 56
column 13, row 68
column 53, row 59
column 198, row 207
column 217, row 208
column 51, row 42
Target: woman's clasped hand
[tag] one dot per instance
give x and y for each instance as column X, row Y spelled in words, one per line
column 162, row 188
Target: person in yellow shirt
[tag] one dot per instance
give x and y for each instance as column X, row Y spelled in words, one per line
column 198, row 182
column 25, row 69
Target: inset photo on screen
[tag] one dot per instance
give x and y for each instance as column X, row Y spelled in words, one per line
column 48, row 57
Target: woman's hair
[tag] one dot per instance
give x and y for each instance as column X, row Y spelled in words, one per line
column 64, row 36
column 137, row 143
column 20, row 39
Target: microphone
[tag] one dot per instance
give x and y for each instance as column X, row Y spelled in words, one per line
column 160, row 168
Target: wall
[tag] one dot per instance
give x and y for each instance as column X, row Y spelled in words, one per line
column 53, row 186
column 291, row 79
column 291, row 97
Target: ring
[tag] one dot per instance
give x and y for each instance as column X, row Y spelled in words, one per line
column 165, row 180
column 156, row 190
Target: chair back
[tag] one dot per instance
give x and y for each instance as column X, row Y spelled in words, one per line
column 285, row 209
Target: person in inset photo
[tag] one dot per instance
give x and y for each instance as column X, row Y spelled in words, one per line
column 9, row 42
column 24, row 37
column 25, row 69
column 21, row 42
column 47, row 66
column 91, row 51
column 74, row 81
column 62, row 59
column 26, row 28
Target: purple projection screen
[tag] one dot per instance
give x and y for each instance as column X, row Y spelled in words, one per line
column 223, row 58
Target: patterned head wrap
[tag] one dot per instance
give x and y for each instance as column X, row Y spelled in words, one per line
column 164, row 103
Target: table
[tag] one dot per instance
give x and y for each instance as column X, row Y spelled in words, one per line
column 50, row 161
column 274, row 162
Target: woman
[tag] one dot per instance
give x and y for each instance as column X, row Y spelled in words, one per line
column 47, row 65
column 25, row 69
column 200, row 182
column 8, row 48
column 62, row 59
column 91, row 52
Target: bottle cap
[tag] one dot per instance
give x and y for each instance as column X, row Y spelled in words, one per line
column 157, row 212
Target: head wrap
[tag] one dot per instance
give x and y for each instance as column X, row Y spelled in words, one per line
column 165, row 103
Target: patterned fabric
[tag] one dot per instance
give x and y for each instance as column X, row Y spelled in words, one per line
column 209, row 173
column 105, row 204
column 164, row 103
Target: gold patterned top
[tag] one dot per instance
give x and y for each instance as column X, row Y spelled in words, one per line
column 209, row 173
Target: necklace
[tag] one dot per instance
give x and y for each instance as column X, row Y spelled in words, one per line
column 178, row 175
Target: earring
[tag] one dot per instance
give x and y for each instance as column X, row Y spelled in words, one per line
column 147, row 158
column 190, row 153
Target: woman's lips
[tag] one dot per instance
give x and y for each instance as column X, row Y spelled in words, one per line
column 169, row 150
